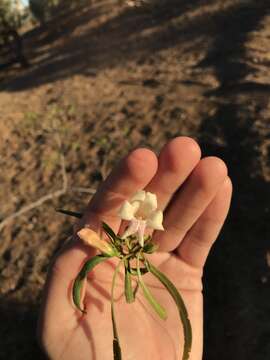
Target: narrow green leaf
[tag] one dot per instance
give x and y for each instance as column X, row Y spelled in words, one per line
column 76, row 292
column 109, row 231
column 70, row 213
column 181, row 308
column 78, row 283
column 129, row 294
column 159, row 309
column 136, row 289
column 117, row 354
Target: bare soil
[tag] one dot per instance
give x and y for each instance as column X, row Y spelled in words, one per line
column 107, row 78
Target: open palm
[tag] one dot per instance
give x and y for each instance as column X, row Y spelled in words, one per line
column 195, row 195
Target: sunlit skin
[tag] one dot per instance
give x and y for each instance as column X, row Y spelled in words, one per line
column 195, row 195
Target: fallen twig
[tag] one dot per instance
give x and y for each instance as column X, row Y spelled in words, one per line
column 55, row 194
column 41, row 201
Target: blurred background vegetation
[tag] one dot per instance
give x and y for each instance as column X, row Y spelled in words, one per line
column 81, row 84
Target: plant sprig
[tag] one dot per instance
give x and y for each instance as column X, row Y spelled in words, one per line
column 126, row 248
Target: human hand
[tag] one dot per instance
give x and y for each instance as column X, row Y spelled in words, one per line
column 195, row 196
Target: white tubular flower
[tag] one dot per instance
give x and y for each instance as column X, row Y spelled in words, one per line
column 91, row 238
column 141, row 211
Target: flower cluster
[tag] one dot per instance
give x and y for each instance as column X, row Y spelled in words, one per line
column 142, row 213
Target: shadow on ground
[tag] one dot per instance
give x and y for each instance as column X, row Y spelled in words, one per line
column 83, row 43
column 237, row 275
column 19, row 321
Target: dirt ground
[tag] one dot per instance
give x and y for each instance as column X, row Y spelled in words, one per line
column 107, row 78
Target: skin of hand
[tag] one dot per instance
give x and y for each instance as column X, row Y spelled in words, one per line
column 195, row 196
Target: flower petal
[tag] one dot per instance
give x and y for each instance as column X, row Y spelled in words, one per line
column 155, row 220
column 148, row 205
column 138, row 196
column 127, row 211
column 136, row 205
column 151, row 201
column 132, row 228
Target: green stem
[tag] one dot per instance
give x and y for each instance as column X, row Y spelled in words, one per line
column 116, row 344
column 129, row 294
column 159, row 309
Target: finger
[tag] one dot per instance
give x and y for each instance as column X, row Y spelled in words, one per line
column 176, row 161
column 198, row 241
column 190, row 202
column 132, row 173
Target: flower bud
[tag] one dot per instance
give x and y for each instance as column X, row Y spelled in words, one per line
column 91, row 238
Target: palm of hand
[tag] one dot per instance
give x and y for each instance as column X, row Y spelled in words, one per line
column 67, row 334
